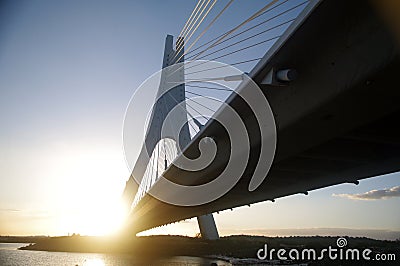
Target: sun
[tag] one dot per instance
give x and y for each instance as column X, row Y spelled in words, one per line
column 97, row 220
column 88, row 199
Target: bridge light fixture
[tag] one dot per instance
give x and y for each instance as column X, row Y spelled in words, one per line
column 279, row 77
column 286, row 75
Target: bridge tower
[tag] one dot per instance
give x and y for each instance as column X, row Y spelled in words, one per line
column 165, row 103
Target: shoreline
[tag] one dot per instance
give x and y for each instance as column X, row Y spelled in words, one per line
column 239, row 249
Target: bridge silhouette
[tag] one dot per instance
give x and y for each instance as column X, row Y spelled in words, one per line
column 330, row 80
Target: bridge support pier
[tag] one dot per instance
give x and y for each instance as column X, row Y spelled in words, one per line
column 208, row 229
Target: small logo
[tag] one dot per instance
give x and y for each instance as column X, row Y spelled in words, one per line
column 341, row 242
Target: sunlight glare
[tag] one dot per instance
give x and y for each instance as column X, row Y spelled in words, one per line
column 89, row 189
column 94, row 262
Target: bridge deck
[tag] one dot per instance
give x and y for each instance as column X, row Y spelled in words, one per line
column 336, row 123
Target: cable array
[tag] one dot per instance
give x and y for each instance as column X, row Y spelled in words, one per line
column 237, row 45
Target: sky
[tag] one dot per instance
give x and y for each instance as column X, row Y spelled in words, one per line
column 67, row 72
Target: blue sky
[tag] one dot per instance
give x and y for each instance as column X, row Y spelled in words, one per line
column 67, row 72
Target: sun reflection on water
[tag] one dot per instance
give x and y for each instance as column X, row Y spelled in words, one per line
column 93, row 262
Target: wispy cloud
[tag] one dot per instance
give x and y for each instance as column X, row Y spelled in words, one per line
column 9, row 210
column 373, row 194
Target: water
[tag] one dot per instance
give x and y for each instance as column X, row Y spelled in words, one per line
column 11, row 256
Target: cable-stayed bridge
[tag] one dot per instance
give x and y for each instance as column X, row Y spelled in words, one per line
column 329, row 75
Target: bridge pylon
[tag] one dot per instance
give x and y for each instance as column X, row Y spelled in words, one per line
column 167, row 101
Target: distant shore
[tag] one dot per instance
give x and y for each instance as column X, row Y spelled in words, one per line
column 22, row 239
column 232, row 246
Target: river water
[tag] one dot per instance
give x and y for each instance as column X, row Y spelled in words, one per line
column 11, row 256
